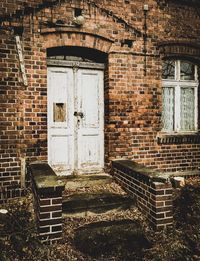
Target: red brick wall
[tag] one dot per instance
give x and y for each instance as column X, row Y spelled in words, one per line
column 47, row 202
column 132, row 98
column 8, row 7
column 153, row 195
column 10, row 117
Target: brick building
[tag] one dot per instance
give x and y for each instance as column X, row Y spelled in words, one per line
column 85, row 82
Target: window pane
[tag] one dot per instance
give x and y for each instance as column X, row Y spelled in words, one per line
column 187, row 71
column 187, row 109
column 168, row 71
column 168, row 109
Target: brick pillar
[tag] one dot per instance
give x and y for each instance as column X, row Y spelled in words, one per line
column 49, row 215
column 47, row 191
column 161, row 214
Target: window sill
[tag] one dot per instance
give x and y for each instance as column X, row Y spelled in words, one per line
column 178, row 138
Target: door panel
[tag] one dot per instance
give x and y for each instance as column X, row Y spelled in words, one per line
column 89, row 156
column 89, row 99
column 61, row 119
column 90, row 131
column 61, row 146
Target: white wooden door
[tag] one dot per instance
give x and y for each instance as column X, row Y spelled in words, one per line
column 75, row 120
column 60, row 119
column 90, row 134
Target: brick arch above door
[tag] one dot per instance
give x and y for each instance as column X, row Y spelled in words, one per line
column 62, row 37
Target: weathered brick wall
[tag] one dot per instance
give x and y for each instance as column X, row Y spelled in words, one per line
column 133, row 102
column 153, row 194
column 10, row 117
column 8, row 7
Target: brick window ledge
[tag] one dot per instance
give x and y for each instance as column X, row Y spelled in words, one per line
column 178, row 138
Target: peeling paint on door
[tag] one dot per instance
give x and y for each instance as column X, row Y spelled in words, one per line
column 75, row 120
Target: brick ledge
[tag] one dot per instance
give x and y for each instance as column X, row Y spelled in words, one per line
column 191, row 138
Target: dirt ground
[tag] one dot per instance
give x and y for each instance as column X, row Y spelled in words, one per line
column 118, row 235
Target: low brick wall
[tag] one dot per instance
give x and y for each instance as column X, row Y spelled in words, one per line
column 152, row 192
column 47, row 191
column 8, row 193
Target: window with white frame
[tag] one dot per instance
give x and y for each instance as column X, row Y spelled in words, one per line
column 179, row 95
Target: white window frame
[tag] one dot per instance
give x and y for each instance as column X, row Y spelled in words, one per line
column 177, row 84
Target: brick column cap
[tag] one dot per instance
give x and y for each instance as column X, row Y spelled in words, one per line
column 133, row 169
column 45, row 179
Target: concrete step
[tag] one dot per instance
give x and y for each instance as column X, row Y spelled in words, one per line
column 85, row 181
column 85, row 204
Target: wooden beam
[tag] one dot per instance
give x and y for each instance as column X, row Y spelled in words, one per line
column 21, row 59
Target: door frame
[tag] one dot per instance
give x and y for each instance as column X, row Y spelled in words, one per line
column 76, row 65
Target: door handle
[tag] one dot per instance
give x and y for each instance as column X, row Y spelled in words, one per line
column 79, row 114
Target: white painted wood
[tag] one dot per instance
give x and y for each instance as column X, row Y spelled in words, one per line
column 23, row 172
column 21, row 59
column 61, row 134
column 76, row 145
column 196, row 106
column 90, row 130
column 68, row 63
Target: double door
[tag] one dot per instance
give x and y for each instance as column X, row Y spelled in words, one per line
column 75, row 120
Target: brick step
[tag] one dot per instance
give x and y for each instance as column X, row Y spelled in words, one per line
column 83, row 204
